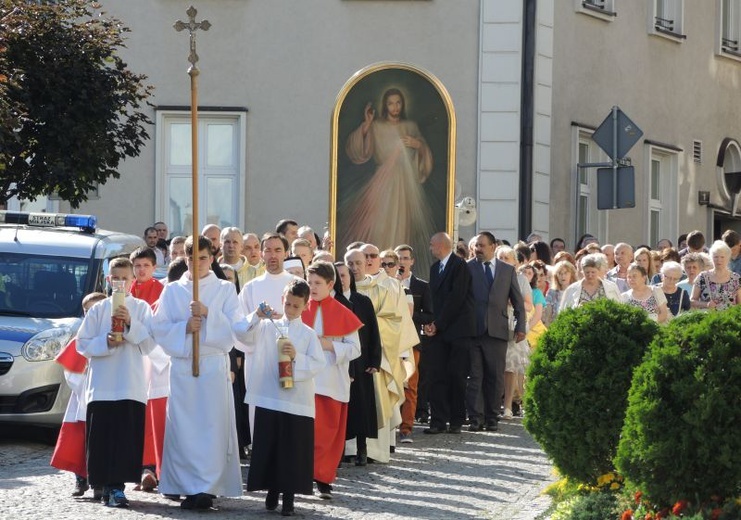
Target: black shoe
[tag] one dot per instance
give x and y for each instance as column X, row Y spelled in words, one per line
column 81, row 486
column 271, row 501
column 433, row 430
column 476, row 427
column 361, row 459
column 325, row 490
column 454, row 429
column 287, row 508
column 176, row 498
column 204, row 501
column 189, row 502
column 421, row 419
column 492, row 426
column 98, row 494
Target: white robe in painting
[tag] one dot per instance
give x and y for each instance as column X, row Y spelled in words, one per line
column 200, row 453
column 391, row 208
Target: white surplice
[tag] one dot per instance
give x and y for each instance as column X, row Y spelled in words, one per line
column 200, row 452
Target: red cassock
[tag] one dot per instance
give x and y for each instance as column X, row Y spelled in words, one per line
column 154, row 420
column 69, row 452
column 330, row 422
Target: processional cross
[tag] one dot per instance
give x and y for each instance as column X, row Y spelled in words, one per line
column 192, row 26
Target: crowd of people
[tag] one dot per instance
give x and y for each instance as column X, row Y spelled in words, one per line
column 309, row 357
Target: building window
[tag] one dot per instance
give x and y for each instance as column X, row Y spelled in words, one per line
column 667, row 19
column 603, row 9
column 587, row 218
column 730, row 28
column 221, row 171
column 661, row 190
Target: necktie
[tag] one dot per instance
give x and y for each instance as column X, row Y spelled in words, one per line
column 489, row 276
column 442, row 268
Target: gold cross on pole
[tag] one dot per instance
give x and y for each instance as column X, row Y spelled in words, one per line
column 193, row 72
column 192, row 27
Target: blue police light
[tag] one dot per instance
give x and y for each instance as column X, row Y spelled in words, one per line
column 87, row 223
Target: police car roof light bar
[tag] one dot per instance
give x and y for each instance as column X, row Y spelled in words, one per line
column 86, row 223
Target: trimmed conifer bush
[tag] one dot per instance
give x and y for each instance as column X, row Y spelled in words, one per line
column 578, row 381
column 682, row 433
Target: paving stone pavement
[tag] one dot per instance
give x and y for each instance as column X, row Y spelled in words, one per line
column 492, row 475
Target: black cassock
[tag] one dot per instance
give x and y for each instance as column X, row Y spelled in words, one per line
column 361, row 414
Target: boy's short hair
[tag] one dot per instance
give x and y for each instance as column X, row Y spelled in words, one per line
column 121, row 262
column 322, row 269
column 299, row 288
column 176, row 269
column 92, row 298
column 144, row 253
column 204, row 244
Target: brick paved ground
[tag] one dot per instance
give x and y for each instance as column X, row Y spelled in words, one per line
column 473, row 475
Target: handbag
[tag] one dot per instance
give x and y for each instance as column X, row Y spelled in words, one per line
column 535, row 333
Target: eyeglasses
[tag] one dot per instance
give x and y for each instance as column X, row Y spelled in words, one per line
column 388, row 264
column 371, row 255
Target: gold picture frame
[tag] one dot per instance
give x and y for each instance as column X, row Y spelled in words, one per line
column 392, row 175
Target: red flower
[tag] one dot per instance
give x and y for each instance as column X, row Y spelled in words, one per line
column 627, row 515
column 680, row 506
column 648, row 516
column 715, row 513
column 637, row 496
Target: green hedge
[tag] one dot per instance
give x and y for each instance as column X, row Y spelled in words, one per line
column 682, row 433
column 578, row 381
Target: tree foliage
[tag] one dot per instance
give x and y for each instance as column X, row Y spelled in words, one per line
column 578, row 381
column 70, row 109
column 681, row 436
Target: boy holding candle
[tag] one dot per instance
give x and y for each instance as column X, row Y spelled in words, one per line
column 117, row 391
column 283, row 442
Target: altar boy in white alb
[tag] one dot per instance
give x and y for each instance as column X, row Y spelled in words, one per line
column 116, row 391
column 283, row 443
column 201, row 456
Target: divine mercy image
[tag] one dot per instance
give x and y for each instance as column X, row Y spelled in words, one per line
column 393, row 174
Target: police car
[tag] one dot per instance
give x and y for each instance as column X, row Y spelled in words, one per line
column 48, row 263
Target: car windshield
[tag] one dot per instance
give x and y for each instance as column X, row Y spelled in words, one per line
column 42, row 286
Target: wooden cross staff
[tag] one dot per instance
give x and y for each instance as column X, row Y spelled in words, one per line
column 192, row 26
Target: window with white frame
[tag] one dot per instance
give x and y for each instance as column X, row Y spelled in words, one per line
column 603, row 9
column 661, row 184
column 667, row 18
column 221, row 171
column 587, row 218
column 730, row 27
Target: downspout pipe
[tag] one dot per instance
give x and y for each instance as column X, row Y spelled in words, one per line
column 527, row 117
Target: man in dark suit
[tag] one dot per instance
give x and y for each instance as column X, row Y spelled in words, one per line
column 494, row 285
column 419, row 290
column 451, row 329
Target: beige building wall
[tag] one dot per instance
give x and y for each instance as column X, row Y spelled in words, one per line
column 677, row 90
column 285, row 61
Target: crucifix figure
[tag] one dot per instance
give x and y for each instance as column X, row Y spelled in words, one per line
column 193, row 72
column 192, row 27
